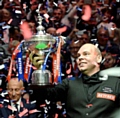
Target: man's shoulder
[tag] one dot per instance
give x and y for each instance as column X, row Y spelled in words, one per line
column 113, row 80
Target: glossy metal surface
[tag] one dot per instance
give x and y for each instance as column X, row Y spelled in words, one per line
column 41, row 77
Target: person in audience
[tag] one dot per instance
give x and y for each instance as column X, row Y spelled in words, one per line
column 16, row 106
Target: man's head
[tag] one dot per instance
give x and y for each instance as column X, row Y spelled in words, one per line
column 52, row 31
column 74, row 46
column 83, row 36
column 110, row 61
column 15, row 88
column 12, row 45
column 57, row 14
column 63, row 8
column 6, row 16
column 102, row 36
column 89, row 58
column 107, row 15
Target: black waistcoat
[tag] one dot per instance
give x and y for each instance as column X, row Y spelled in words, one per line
column 99, row 101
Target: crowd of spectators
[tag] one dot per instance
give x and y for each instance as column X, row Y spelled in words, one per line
column 102, row 30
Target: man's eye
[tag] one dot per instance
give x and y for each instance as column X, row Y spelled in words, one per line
column 10, row 90
column 16, row 89
column 86, row 53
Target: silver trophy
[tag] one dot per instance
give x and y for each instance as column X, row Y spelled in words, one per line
column 41, row 76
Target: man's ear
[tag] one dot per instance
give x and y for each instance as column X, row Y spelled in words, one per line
column 99, row 59
column 22, row 89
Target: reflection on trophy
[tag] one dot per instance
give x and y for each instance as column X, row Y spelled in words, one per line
column 42, row 45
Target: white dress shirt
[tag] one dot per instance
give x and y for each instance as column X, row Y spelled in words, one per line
column 18, row 105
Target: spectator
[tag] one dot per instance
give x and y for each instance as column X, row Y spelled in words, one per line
column 102, row 38
column 110, row 60
column 106, row 22
column 15, row 89
column 69, row 58
column 56, row 21
column 83, row 36
column 116, row 38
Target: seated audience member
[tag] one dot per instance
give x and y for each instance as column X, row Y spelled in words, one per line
column 111, row 57
column 55, row 22
column 16, row 106
column 110, row 60
column 69, row 58
column 106, row 22
column 83, row 36
column 103, row 39
column 116, row 38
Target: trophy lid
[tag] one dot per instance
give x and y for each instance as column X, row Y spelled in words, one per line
column 41, row 35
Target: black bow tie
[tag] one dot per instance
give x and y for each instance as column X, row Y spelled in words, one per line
column 91, row 79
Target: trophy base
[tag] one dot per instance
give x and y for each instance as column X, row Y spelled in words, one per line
column 41, row 77
column 41, row 84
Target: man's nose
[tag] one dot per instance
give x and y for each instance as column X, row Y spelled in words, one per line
column 80, row 57
column 13, row 93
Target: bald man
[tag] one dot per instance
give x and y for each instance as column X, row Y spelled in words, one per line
column 89, row 58
column 16, row 104
column 15, row 89
column 89, row 95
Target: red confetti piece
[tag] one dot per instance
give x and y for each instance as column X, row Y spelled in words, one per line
column 23, row 112
column 87, row 13
column 61, row 30
column 26, row 31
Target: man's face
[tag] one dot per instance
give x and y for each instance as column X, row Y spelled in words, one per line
column 83, row 38
column 15, row 90
column 74, row 47
column 109, row 61
column 87, row 60
column 103, row 37
column 57, row 14
column 6, row 15
column 106, row 17
column 63, row 8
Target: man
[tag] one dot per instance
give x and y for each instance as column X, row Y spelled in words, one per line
column 103, row 38
column 107, row 22
column 83, row 36
column 16, row 106
column 56, row 21
column 110, row 60
column 69, row 67
column 88, row 95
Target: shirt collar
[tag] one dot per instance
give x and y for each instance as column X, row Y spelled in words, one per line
column 73, row 59
column 91, row 79
column 18, row 102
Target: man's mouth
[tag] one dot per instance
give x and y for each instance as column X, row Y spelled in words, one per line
column 82, row 64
